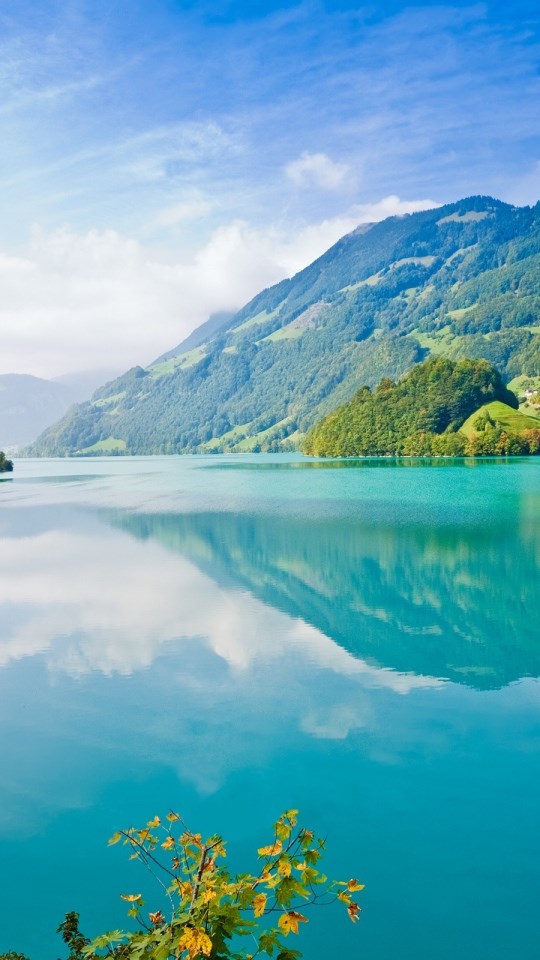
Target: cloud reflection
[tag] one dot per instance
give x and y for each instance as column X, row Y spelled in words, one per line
column 101, row 601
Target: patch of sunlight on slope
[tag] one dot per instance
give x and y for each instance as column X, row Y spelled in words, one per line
column 180, row 362
column 513, row 421
column 110, row 445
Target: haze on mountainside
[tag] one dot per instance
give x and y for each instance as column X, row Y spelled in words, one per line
column 30, row 404
column 462, row 281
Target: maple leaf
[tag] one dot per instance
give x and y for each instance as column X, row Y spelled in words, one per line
column 259, row 903
column 156, row 918
column 131, row 897
column 273, row 850
column 168, row 844
column 288, row 922
column 184, row 887
column 353, row 885
column 353, row 910
column 195, row 942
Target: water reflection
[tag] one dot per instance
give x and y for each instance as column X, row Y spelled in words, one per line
column 97, row 602
column 290, row 649
column 453, row 601
column 458, row 602
column 361, row 463
column 91, row 599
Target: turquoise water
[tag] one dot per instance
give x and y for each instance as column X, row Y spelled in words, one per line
column 235, row 636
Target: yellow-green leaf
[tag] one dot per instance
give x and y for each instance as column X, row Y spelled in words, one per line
column 288, row 922
column 291, row 815
column 273, row 850
column 259, row 903
column 195, row 942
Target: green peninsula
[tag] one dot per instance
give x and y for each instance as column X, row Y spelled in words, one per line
column 441, row 408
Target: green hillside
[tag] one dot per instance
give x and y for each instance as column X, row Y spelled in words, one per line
column 513, row 421
column 459, row 281
column 419, row 415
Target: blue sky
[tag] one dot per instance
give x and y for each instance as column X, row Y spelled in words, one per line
column 162, row 160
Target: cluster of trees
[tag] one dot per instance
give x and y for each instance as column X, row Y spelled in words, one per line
column 420, row 415
column 494, row 441
column 208, row 909
column 6, row 466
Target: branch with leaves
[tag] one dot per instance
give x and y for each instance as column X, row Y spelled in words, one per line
column 209, row 909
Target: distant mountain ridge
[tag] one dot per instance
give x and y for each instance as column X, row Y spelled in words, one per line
column 30, row 404
column 462, row 280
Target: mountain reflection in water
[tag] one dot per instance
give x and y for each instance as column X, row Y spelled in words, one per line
column 450, row 601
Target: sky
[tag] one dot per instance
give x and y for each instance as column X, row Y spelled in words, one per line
column 162, row 161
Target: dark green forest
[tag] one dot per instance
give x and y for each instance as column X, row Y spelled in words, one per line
column 460, row 281
column 6, row 466
column 421, row 414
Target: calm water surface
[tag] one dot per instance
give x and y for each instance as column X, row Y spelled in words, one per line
column 235, row 636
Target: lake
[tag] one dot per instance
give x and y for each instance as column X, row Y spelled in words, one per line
column 235, row 636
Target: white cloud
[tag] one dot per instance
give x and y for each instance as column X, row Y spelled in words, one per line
column 73, row 301
column 317, row 170
column 311, row 241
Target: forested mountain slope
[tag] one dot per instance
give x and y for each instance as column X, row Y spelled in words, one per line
column 421, row 414
column 462, row 280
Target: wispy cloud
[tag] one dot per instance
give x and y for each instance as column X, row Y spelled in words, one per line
column 69, row 299
column 161, row 125
column 316, row 169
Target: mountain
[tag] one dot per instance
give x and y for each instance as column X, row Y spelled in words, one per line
column 82, row 384
column 30, row 404
column 461, row 280
column 199, row 336
column 421, row 414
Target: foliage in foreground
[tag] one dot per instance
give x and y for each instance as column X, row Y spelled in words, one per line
column 6, row 466
column 209, row 909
